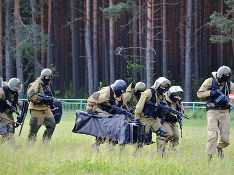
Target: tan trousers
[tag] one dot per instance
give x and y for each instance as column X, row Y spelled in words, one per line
column 218, row 120
column 150, row 124
column 171, row 134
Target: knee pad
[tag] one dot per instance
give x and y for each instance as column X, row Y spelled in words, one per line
column 33, row 121
column 10, row 128
column 50, row 122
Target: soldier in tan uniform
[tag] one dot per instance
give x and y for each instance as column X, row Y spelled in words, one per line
column 9, row 96
column 173, row 100
column 39, row 107
column 132, row 95
column 101, row 101
column 144, row 113
column 218, row 114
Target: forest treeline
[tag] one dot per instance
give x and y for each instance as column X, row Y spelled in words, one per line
column 90, row 43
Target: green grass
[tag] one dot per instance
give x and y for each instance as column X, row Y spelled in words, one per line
column 70, row 153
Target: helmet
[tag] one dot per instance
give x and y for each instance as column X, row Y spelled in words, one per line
column 223, row 70
column 120, row 85
column 161, row 81
column 175, row 91
column 46, row 72
column 140, row 86
column 15, row 85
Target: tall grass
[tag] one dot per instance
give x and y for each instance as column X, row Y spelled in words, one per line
column 70, row 153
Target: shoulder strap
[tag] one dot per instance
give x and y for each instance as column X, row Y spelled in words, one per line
column 112, row 100
column 5, row 89
column 153, row 98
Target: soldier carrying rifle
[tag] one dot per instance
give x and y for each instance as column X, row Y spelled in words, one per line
column 216, row 90
column 9, row 99
column 40, row 106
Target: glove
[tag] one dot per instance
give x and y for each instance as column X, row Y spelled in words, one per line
column 19, row 120
column 160, row 132
column 137, row 121
column 222, row 101
column 47, row 100
column 162, row 120
column 214, row 93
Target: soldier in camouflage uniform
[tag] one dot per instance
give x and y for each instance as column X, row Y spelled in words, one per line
column 218, row 114
column 173, row 100
column 110, row 95
column 9, row 95
column 144, row 113
column 40, row 111
column 132, row 95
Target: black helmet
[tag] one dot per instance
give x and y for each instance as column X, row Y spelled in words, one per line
column 120, row 85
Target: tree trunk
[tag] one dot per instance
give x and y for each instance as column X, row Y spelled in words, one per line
column 88, row 48
column 164, row 16
column 112, row 57
column 18, row 54
column 75, row 46
column 35, row 54
column 134, row 42
column 95, row 45
column 196, row 40
column 149, row 45
column 9, row 62
column 49, row 50
column 1, row 40
column 43, row 59
column 105, row 47
column 188, row 67
column 221, row 44
column 142, row 60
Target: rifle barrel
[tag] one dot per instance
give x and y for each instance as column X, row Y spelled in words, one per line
column 10, row 120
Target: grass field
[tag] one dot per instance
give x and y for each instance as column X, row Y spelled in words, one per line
column 70, row 153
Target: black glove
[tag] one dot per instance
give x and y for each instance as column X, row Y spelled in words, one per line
column 162, row 120
column 137, row 121
column 223, row 101
column 19, row 120
column 47, row 100
column 214, row 93
column 160, row 132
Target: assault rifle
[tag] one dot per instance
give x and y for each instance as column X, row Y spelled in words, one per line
column 55, row 106
column 113, row 109
column 47, row 96
column 222, row 96
column 13, row 108
column 165, row 109
column 21, row 118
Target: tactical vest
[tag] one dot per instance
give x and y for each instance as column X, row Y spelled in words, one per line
column 149, row 109
column 3, row 104
column 170, row 118
column 111, row 102
column 210, row 99
column 47, row 92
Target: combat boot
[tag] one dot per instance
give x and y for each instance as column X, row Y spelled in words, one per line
column 209, row 157
column 220, row 153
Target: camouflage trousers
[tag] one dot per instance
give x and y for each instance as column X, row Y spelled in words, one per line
column 218, row 121
column 38, row 118
column 151, row 124
column 171, row 135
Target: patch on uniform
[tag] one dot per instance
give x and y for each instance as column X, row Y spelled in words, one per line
column 96, row 95
column 231, row 96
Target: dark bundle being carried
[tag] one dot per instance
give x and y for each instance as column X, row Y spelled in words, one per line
column 116, row 128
